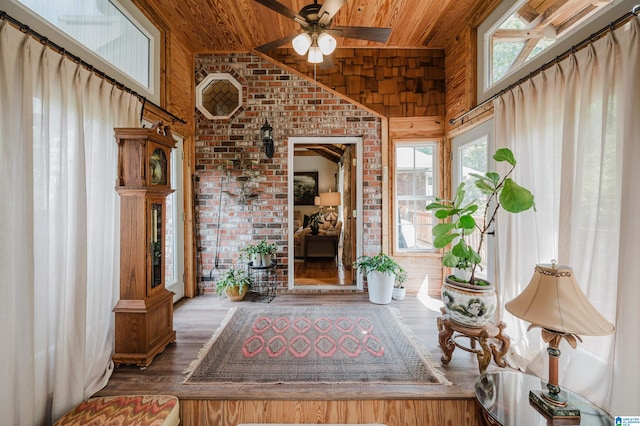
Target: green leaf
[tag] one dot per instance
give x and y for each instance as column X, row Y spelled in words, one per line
column 434, row 206
column 450, row 260
column 469, row 208
column 485, row 187
column 444, row 240
column 469, row 231
column 494, row 177
column 474, row 257
column 514, row 198
column 443, row 228
column 505, row 154
column 443, row 214
column 467, row 222
column 457, row 200
column 461, row 249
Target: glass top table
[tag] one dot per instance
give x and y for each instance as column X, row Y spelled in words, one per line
column 504, row 398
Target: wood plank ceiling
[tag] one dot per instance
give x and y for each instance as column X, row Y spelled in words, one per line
column 209, row 26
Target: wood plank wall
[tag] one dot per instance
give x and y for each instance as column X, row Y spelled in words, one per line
column 431, row 412
column 392, row 82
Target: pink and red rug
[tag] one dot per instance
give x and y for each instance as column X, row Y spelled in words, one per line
column 314, row 344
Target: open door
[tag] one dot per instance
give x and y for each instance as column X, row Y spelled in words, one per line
column 333, row 163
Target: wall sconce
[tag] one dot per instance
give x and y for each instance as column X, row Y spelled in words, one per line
column 266, row 132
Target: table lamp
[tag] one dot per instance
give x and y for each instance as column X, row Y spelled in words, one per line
column 330, row 199
column 316, row 202
column 554, row 302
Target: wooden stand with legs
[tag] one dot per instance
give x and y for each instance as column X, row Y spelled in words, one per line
column 490, row 337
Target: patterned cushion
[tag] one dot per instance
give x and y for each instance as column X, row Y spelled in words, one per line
column 139, row 410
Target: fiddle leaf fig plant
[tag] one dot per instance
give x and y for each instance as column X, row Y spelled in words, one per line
column 457, row 216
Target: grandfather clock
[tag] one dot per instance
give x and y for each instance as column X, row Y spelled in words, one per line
column 144, row 313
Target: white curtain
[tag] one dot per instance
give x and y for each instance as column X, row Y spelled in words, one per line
column 575, row 131
column 59, row 240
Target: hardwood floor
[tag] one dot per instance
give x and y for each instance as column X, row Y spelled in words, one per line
column 195, row 320
column 322, row 271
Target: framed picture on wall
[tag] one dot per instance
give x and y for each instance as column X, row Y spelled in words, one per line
column 305, row 188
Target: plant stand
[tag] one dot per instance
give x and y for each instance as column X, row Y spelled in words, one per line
column 264, row 282
column 490, row 337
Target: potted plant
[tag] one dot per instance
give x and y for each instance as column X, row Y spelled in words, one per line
column 314, row 222
column 382, row 274
column 251, row 254
column 267, row 251
column 470, row 300
column 399, row 290
column 235, row 283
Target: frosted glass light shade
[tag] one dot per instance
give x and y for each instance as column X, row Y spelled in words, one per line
column 327, row 43
column 301, row 43
column 315, row 55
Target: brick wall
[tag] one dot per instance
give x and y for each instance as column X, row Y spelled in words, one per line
column 294, row 107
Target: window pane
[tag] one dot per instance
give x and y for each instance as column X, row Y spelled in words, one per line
column 473, row 159
column 102, row 28
column 414, row 189
column 532, row 28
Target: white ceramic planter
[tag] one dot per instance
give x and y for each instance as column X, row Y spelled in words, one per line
column 462, row 274
column 380, row 286
column 469, row 305
column 399, row 293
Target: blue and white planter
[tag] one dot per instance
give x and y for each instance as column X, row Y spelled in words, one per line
column 469, row 305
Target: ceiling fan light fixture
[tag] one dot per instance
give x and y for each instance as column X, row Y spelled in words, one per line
column 301, row 43
column 327, row 43
column 315, row 55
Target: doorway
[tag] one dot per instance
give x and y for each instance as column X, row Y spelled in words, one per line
column 334, row 163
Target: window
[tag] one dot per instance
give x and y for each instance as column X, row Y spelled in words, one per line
column 470, row 156
column 117, row 40
column 174, row 261
column 219, row 95
column 528, row 28
column 415, row 187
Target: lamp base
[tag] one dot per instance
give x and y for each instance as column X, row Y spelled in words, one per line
column 565, row 414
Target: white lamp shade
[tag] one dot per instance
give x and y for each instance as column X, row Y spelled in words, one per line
column 327, row 43
column 301, row 43
column 329, row 198
column 316, row 201
column 315, row 55
column 553, row 300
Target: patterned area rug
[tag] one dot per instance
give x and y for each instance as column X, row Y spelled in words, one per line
column 314, row 344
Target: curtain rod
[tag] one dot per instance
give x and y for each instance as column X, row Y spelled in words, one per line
column 612, row 26
column 62, row 51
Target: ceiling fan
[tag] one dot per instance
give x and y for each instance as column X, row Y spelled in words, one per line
column 317, row 38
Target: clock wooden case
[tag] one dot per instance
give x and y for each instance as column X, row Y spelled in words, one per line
column 144, row 313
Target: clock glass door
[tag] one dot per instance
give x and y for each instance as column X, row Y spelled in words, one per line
column 157, row 247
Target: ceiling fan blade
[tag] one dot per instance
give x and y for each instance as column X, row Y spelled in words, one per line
column 284, row 10
column 362, row 33
column 328, row 9
column 275, row 43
